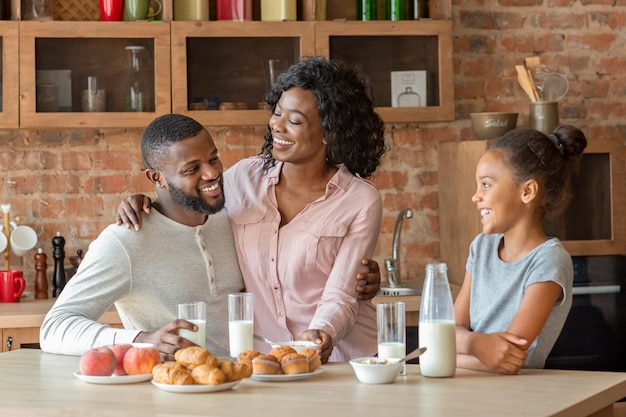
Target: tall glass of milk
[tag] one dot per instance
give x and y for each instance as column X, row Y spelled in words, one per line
column 437, row 325
column 240, row 322
column 194, row 313
column 391, row 332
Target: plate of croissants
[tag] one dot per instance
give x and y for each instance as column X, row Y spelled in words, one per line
column 196, row 370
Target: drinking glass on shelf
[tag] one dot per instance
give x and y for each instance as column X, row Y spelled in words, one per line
column 194, row 313
column 391, row 332
column 240, row 322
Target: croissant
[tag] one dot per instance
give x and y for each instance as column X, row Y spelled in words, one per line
column 207, row 374
column 171, row 373
column 193, row 356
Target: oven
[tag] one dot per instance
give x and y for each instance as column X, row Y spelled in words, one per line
column 594, row 334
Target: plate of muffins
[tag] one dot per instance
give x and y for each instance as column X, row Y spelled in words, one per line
column 196, row 370
column 282, row 363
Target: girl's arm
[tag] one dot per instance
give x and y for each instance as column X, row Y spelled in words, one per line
column 498, row 352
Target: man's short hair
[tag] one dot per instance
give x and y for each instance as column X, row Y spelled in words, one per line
column 162, row 133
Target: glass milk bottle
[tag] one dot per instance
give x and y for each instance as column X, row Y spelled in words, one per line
column 437, row 325
column 137, row 92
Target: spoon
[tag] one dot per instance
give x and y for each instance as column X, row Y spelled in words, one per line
column 417, row 352
column 262, row 339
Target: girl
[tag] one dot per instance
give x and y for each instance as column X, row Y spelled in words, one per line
column 518, row 282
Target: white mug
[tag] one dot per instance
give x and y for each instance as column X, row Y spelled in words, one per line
column 3, row 242
column 23, row 238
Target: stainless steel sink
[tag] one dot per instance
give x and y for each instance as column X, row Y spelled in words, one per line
column 407, row 288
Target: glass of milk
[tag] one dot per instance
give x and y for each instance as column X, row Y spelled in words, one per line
column 194, row 313
column 391, row 332
column 240, row 322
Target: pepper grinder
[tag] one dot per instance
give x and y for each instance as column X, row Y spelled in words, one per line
column 58, row 253
column 41, row 281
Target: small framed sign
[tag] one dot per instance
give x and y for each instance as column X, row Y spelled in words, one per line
column 408, row 89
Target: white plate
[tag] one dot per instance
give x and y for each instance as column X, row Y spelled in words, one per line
column 190, row 389
column 286, row 377
column 297, row 345
column 113, row 379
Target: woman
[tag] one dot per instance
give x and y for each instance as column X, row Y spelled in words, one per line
column 303, row 214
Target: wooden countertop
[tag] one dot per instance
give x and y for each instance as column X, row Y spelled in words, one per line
column 30, row 313
column 39, row 384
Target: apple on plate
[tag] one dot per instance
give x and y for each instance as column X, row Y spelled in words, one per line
column 141, row 360
column 98, row 361
column 120, row 351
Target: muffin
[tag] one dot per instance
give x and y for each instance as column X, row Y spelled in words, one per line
column 247, row 356
column 295, row 363
column 280, row 352
column 265, row 365
column 314, row 359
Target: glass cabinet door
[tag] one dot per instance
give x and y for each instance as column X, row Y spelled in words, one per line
column 9, row 74
column 86, row 68
column 223, row 68
column 408, row 64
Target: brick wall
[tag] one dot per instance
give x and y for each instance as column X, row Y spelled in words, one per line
column 72, row 181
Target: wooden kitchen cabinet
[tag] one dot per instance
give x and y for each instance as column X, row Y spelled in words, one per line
column 13, row 339
column 75, row 50
column 194, row 65
column 225, row 61
column 593, row 224
column 378, row 48
column 20, row 322
column 9, row 74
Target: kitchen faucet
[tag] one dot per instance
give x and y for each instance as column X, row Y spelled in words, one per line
column 392, row 266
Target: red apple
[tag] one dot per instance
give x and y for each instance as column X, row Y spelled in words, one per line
column 98, row 361
column 120, row 351
column 141, row 360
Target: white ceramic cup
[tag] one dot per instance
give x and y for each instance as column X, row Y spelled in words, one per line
column 23, row 239
column 196, row 314
column 3, row 242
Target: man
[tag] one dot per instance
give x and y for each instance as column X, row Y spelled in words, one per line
column 184, row 252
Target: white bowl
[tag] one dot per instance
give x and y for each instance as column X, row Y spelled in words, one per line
column 298, row 345
column 372, row 370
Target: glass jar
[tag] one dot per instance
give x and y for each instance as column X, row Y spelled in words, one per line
column 93, row 96
column 137, row 93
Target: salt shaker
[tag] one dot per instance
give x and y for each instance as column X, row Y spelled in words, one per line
column 58, row 253
column 437, row 327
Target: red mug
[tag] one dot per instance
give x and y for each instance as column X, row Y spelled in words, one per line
column 12, row 285
column 112, row 10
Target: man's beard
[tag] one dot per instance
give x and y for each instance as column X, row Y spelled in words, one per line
column 195, row 203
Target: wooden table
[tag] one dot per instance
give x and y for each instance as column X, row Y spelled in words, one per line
column 33, row 383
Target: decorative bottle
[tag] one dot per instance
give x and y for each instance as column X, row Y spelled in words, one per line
column 366, row 10
column 437, row 327
column 41, row 281
column 58, row 253
column 137, row 91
